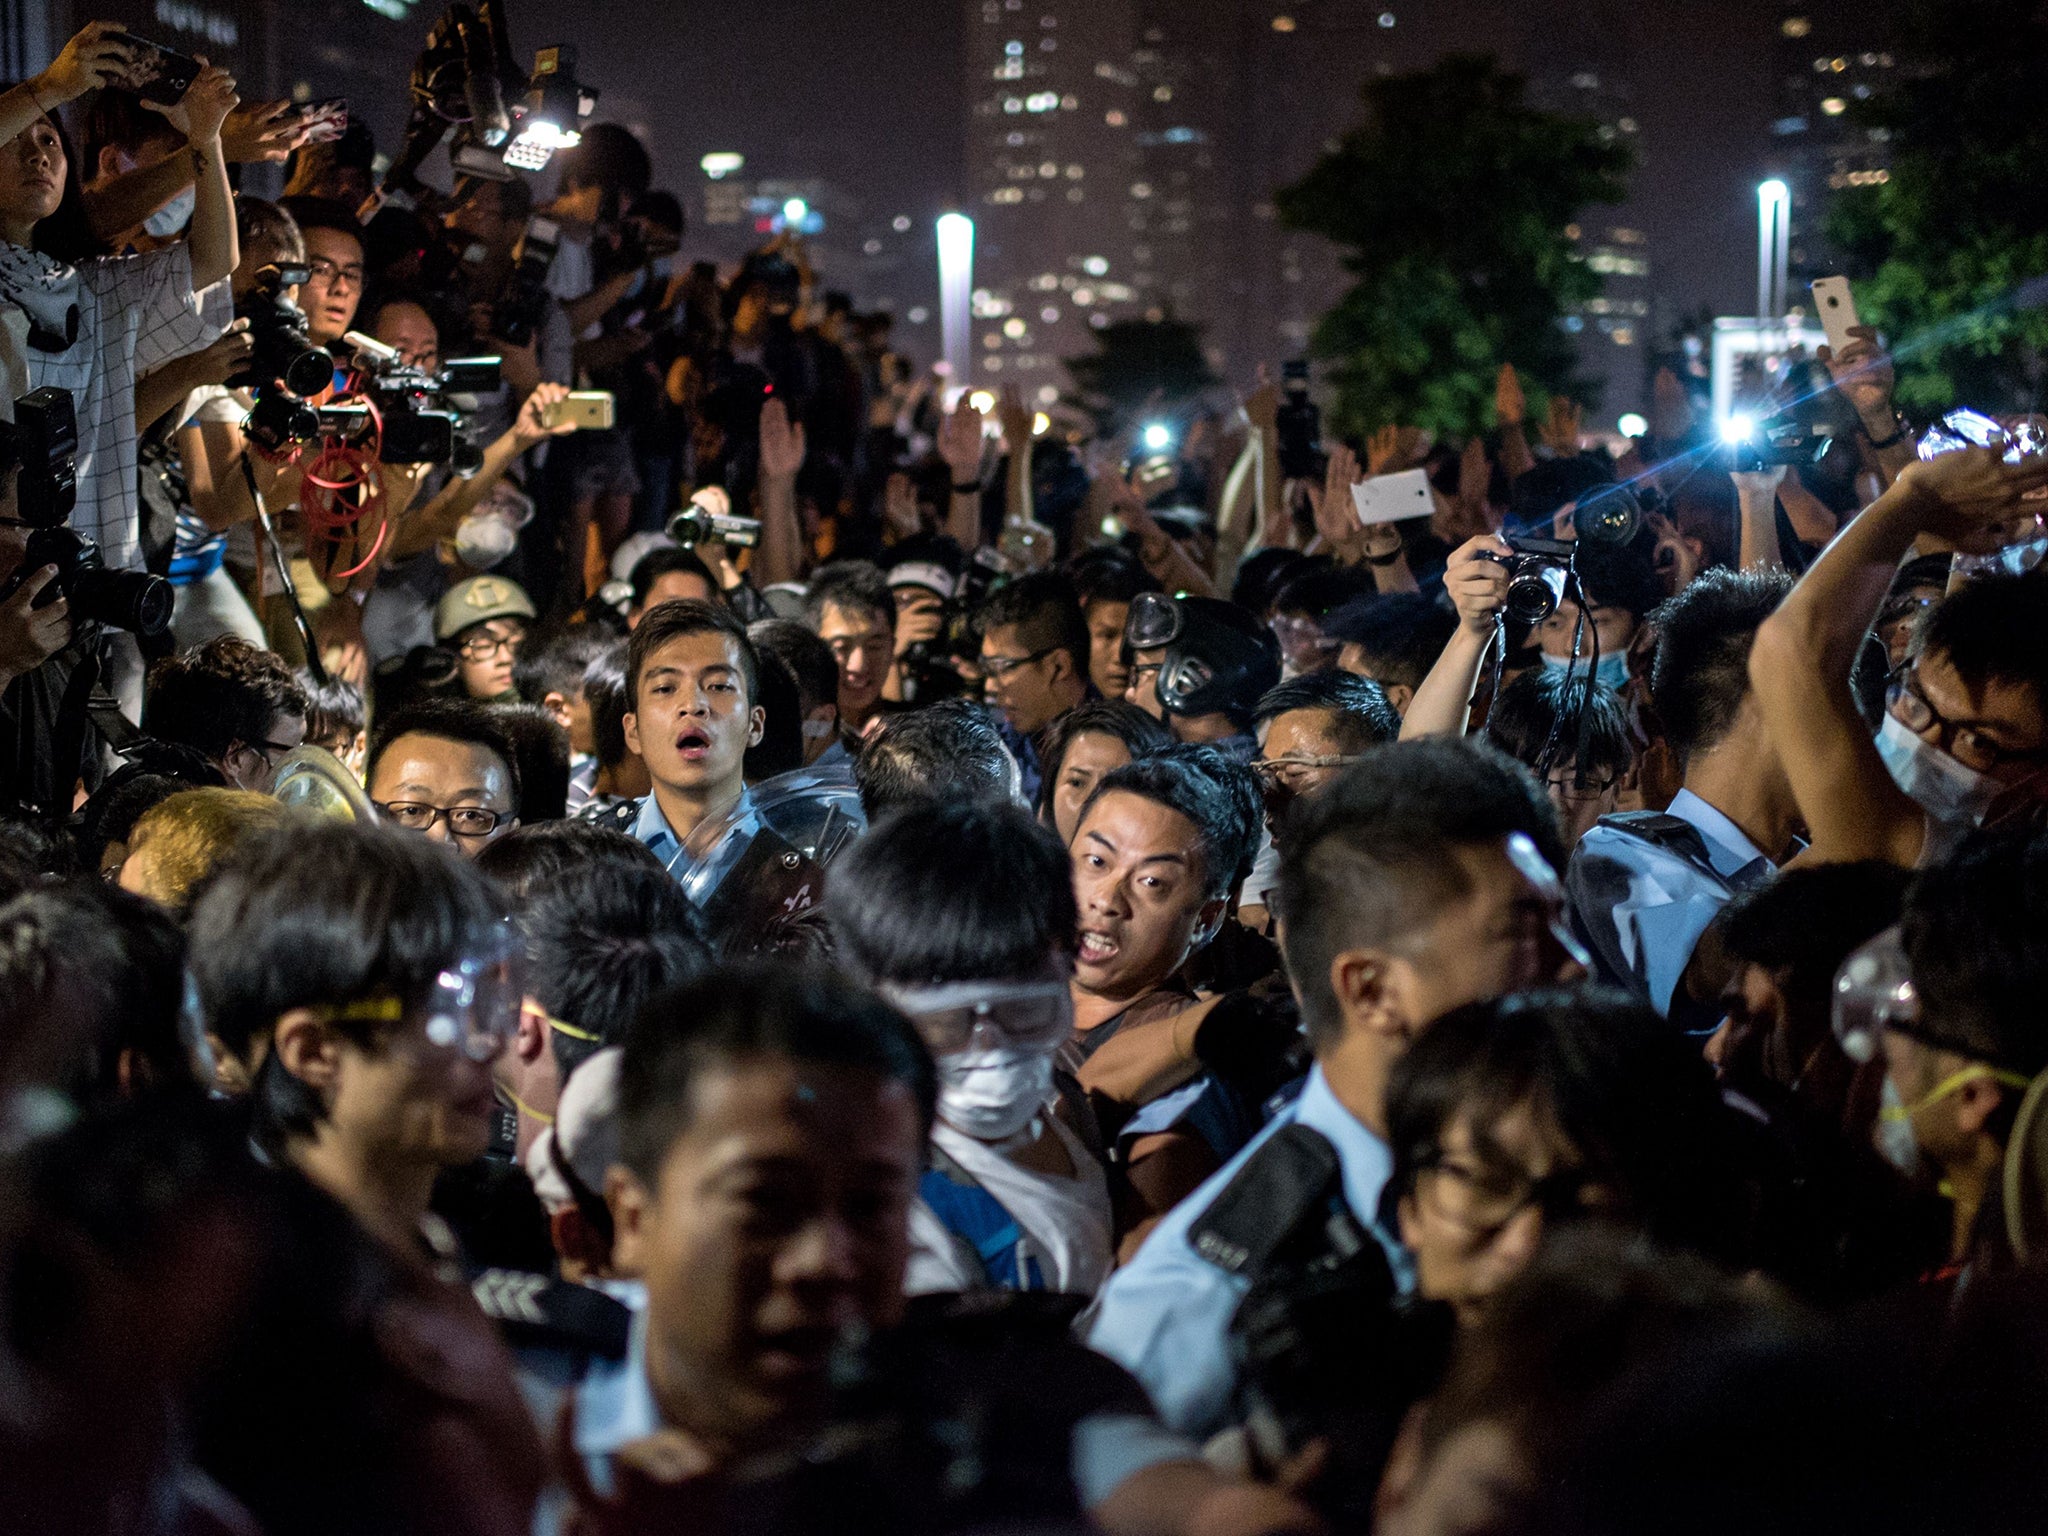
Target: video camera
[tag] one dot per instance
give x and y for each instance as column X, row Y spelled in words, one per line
column 43, row 442
column 419, row 419
column 1764, row 443
column 504, row 120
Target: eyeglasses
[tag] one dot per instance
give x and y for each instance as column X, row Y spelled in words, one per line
column 463, row 820
column 330, row 274
column 265, row 749
column 1486, row 1197
column 472, row 1006
column 1965, row 743
column 996, row 668
column 483, row 645
column 1291, row 774
column 1024, row 1014
column 1569, row 786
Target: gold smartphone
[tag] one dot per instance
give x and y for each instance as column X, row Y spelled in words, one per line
column 587, row 408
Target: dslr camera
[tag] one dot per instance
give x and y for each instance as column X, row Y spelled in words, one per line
column 43, row 443
column 283, row 347
column 1542, row 571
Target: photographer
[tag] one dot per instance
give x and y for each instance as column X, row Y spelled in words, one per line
column 95, row 327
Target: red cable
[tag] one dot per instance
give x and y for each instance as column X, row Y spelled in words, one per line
column 321, row 499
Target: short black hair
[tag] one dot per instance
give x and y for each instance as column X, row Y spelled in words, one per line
column 855, row 585
column 542, row 770
column 1806, row 921
column 559, row 665
column 602, row 940
column 664, row 560
column 604, row 692
column 220, row 693
column 809, row 659
column 334, row 708
column 951, row 891
column 1138, row 731
column 1366, row 861
column 1622, row 576
column 1972, row 929
column 1701, row 672
column 781, row 747
column 1319, row 587
column 1215, row 794
column 258, row 222
column 1108, row 575
column 1045, row 610
column 321, row 913
column 98, row 972
column 311, row 213
column 1526, row 718
column 611, row 158
column 674, row 621
column 1991, row 629
column 1400, row 633
column 742, row 1012
column 530, row 860
column 463, row 720
column 1362, row 715
column 1635, row 1099
column 946, row 751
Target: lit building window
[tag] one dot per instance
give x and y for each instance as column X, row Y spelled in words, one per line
column 991, row 341
column 1013, row 48
column 1834, row 106
column 1013, row 328
column 1075, row 173
column 1095, row 266
column 1283, row 23
column 1141, row 189
column 1162, row 93
column 1114, row 119
column 1049, row 315
column 1795, row 26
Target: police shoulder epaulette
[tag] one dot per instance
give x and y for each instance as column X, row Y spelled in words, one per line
column 535, row 1309
column 1286, row 1180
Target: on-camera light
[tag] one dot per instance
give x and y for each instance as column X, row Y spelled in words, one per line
column 1157, row 437
column 1632, row 424
column 1738, row 427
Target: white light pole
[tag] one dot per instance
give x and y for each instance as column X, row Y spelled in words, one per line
column 956, row 285
column 1773, row 248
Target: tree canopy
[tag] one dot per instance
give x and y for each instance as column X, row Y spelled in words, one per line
column 1451, row 200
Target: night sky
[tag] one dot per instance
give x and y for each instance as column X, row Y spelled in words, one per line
column 867, row 93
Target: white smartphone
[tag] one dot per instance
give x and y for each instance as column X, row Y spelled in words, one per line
column 1392, row 498
column 1837, row 309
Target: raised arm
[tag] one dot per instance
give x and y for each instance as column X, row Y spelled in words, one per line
column 1511, row 407
column 199, row 115
column 1800, row 664
column 266, row 131
column 781, row 556
column 87, row 62
column 439, row 518
column 1442, row 706
column 1863, row 374
column 960, row 445
column 1756, row 492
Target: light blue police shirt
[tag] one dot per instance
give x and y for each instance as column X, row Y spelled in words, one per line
column 1165, row 1316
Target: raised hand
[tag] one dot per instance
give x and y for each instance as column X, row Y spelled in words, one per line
column 261, row 131
column 1964, row 496
column 960, row 432
column 227, row 356
column 1476, row 581
column 532, row 427
column 1560, row 429
column 1863, row 372
column 1262, row 405
column 1014, row 417
column 1336, row 515
column 90, row 60
column 1509, row 403
column 1383, row 451
column 899, row 507
column 782, row 442
column 199, row 113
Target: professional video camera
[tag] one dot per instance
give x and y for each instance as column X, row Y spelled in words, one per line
column 504, row 120
column 283, row 349
column 43, row 442
column 1299, row 425
column 420, row 417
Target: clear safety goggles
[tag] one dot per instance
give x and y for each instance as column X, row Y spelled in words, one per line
column 1026, row 1014
column 473, row 1007
column 1155, row 620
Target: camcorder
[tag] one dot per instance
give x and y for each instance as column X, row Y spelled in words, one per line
column 42, row 445
column 423, row 417
column 1299, row 426
column 695, row 525
column 1787, row 438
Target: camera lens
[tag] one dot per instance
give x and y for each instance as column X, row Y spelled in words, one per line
column 1535, row 588
column 132, row 600
column 308, row 372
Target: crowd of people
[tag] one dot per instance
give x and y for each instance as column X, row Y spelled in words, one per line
column 821, row 958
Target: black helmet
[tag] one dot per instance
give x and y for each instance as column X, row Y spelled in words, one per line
column 1219, row 659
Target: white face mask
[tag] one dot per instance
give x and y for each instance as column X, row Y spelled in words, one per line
column 991, row 1095
column 1948, row 791
column 483, row 539
column 173, row 216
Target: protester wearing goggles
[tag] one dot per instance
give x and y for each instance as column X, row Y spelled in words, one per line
column 963, row 917
column 1950, row 1002
column 367, row 975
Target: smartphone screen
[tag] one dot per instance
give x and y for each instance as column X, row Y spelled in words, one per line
column 325, row 120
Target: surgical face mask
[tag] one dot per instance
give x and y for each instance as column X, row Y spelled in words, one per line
column 173, row 216
column 484, row 539
column 991, row 1095
column 1949, row 792
column 1611, row 670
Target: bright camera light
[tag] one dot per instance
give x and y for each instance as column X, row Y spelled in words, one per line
column 1632, row 425
column 1157, row 437
column 1040, row 424
column 1739, row 427
column 795, row 211
column 982, row 400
